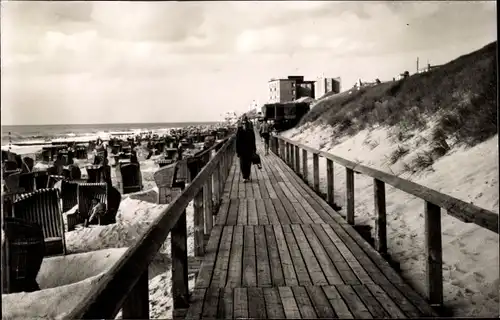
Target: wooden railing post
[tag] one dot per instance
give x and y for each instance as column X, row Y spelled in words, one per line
column 292, row 157
column 297, row 159
column 380, row 213
column 349, row 195
column 180, row 285
column 199, row 245
column 136, row 305
column 434, row 254
column 329, row 182
column 304, row 165
column 316, row 172
column 283, row 150
column 216, row 186
column 207, row 205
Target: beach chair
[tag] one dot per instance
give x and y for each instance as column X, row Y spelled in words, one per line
column 27, row 181
column 10, row 165
column 53, row 179
column 41, row 179
column 23, row 250
column 166, row 181
column 69, row 194
column 130, row 177
column 86, row 192
column 43, row 207
column 74, row 172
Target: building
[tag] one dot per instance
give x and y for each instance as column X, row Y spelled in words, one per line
column 325, row 85
column 290, row 89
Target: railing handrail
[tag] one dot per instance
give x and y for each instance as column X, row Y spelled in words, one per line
column 107, row 297
column 455, row 207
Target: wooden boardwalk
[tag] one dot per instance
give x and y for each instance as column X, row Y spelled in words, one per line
column 278, row 250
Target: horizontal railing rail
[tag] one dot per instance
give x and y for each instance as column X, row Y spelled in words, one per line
column 289, row 151
column 125, row 285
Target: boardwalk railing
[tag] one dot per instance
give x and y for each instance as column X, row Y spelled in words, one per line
column 289, row 151
column 125, row 286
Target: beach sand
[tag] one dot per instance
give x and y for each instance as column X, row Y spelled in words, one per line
column 470, row 253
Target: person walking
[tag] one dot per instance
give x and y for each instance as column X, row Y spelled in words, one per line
column 245, row 146
column 265, row 134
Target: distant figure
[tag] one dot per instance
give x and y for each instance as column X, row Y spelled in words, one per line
column 245, row 146
column 265, row 134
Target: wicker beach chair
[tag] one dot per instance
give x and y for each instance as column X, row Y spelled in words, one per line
column 86, row 193
column 74, row 172
column 41, row 179
column 28, row 164
column 10, row 165
column 130, row 178
column 27, row 181
column 23, row 250
column 52, row 180
column 43, row 207
column 69, row 193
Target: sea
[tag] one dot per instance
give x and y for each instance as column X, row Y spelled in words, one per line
column 37, row 133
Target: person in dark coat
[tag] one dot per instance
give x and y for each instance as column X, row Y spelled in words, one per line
column 245, row 146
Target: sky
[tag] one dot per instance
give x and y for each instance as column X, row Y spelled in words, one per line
column 133, row 62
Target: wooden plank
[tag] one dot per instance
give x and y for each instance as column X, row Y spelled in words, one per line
column 357, row 306
column 228, row 184
column 271, row 211
column 225, row 310
column 349, row 195
column 304, row 303
column 208, row 263
column 434, row 254
column 329, row 270
column 236, row 257
column 290, row 307
column 261, row 211
column 262, row 185
column 241, row 187
column 347, row 254
column 290, row 210
column 281, row 212
column 389, row 284
column 232, row 216
column 211, row 303
column 249, row 263
column 339, row 306
column 252, row 212
column 274, row 257
column 236, row 182
column 320, row 302
column 196, row 308
column 317, row 276
column 249, row 188
column 223, row 212
column 370, row 302
column 381, row 214
column 263, row 267
column 274, row 306
column 298, row 262
column 242, row 212
column 343, row 268
column 255, row 185
column 222, row 263
column 256, row 303
column 387, row 303
column 286, row 261
column 329, row 181
column 240, row 303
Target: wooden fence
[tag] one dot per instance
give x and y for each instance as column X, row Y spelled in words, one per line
column 125, row 286
column 434, row 201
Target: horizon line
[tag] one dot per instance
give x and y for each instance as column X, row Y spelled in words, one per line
column 107, row 123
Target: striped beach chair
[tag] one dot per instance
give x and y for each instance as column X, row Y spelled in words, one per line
column 86, row 192
column 23, row 250
column 41, row 179
column 43, row 207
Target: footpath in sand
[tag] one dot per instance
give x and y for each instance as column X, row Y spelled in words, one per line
column 470, row 253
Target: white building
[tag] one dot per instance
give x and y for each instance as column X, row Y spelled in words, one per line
column 324, row 85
